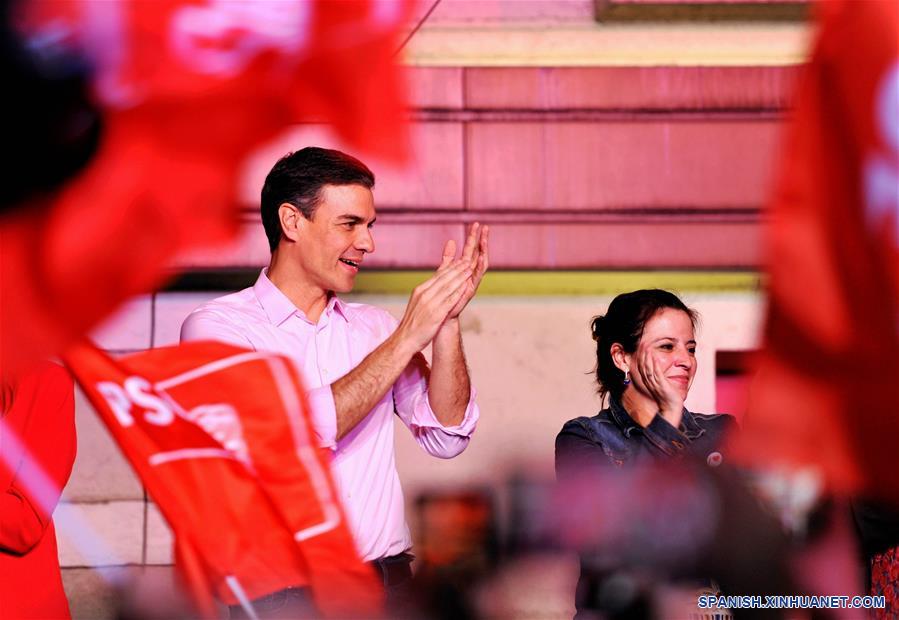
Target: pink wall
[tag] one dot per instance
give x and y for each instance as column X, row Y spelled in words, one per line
column 584, row 168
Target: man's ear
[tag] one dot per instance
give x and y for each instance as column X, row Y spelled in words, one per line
column 620, row 357
column 290, row 218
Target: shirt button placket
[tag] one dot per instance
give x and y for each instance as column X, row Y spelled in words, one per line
column 322, row 370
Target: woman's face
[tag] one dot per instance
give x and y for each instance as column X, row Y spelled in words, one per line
column 670, row 340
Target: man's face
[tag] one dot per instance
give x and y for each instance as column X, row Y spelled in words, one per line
column 332, row 245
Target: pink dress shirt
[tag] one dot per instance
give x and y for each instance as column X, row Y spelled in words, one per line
column 263, row 318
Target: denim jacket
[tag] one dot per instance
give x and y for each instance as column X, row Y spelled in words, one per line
column 612, row 436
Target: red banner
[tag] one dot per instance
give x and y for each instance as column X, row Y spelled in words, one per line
column 189, row 89
column 827, row 394
column 221, row 440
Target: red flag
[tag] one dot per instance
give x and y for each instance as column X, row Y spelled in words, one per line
column 221, row 439
column 188, row 89
column 827, row 393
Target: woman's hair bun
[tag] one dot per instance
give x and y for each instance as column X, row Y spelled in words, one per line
column 596, row 327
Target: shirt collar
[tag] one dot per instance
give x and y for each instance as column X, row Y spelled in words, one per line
column 689, row 425
column 628, row 425
column 279, row 308
column 342, row 308
column 622, row 418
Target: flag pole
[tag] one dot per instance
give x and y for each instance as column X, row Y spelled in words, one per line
column 415, row 30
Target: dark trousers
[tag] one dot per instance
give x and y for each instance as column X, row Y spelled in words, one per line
column 394, row 571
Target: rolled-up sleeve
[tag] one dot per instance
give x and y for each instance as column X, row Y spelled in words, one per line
column 410, row 395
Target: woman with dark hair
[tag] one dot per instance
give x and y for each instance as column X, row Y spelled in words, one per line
column 645, row 364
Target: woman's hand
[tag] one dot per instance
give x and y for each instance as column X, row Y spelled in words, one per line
column 651, row 373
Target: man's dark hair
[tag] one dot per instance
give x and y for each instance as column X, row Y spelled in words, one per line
column 298, row 179
column 623, row 323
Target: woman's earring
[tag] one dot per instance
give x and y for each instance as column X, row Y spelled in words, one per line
column 627, row 377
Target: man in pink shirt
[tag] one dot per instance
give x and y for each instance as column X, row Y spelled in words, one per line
column 359, row 363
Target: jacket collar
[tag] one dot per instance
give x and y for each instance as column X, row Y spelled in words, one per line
column 628, row 425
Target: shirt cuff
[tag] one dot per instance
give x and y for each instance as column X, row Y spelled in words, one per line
column 323, row 415
column 665, row 437
column 425, row 417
